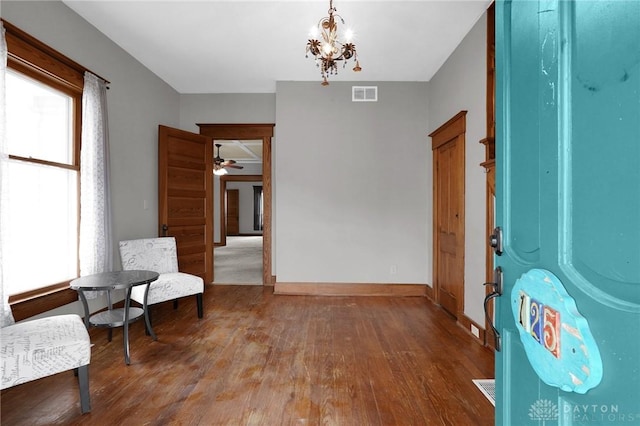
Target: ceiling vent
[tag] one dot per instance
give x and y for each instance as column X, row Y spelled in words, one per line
column 364, row 93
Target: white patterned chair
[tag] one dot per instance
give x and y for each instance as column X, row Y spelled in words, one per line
column 42, row 347
column 160, row 255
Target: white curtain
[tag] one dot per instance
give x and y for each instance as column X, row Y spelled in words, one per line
column 96, row 246
column 6, row 317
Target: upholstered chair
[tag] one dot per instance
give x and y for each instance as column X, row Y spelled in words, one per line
column 160, row 255
column 38, row 348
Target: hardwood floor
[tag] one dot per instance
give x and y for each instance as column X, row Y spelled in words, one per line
column 261, row 359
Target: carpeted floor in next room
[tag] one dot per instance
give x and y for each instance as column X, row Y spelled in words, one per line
column 239, row 262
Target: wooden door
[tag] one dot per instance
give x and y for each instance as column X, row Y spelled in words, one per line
column 568, row 203
column 233, row 212
column 185, row 197
column 448, row 180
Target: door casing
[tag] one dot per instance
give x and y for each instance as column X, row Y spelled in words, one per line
column 264, row 132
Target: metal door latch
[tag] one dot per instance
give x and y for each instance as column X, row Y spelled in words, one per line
column 495, row 240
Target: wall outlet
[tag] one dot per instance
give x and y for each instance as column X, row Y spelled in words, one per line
column 475, row 331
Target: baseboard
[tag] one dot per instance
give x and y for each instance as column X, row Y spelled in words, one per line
column 349, row 289
column 467, row 323
column 428, row 292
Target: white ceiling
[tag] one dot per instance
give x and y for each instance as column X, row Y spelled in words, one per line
column 245, row 151
column 237, row 46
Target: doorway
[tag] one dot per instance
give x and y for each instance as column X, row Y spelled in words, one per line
column 238, row 258
column 262, row 132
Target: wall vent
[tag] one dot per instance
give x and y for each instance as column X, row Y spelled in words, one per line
column 364, row 93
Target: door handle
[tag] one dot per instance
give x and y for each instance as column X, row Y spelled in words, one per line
column 495, row 240
column 165, row 228
column 497, row 292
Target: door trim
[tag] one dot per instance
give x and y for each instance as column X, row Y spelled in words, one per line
column 262, row 131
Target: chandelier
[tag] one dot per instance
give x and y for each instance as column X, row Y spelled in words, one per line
column 329, row 50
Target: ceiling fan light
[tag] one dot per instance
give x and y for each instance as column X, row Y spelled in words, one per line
column 220, row 172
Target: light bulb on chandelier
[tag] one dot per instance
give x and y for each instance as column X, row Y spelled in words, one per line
column 330, row 50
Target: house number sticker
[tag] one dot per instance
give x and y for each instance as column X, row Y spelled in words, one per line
column 556, row 337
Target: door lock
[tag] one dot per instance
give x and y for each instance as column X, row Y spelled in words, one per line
column 495, row 240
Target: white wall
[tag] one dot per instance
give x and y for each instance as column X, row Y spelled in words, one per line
column 460, row 84
column 353, row 184
column 137, row 102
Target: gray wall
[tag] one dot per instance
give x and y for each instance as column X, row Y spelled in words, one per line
column 226, row 108
column 353, row 183
column 460, row 84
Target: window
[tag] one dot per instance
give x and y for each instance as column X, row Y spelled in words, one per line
column 43, row 185
column 43, row 119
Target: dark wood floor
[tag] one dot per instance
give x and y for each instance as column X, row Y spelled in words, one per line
column 260, row 359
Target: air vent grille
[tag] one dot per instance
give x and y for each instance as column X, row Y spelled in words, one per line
column 364, row 93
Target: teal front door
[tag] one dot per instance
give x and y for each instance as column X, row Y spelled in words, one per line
column 568, row 205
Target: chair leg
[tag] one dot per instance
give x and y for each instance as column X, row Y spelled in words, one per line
column 199, row 302
column 110, row 336
column 146, row 330
column 83, row 382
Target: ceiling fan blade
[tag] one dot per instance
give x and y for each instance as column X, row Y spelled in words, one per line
column 232, row 166
column 229, row 162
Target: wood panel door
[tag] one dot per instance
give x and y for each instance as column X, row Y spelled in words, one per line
column 185, row 194
column 233, row 212
column 448, row 201
column 568, row 203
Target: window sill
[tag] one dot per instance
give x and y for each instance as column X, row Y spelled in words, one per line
column 28, row 304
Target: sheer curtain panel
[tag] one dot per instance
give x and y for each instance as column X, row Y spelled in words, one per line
column 96, row 246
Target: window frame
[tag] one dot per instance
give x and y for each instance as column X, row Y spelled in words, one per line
column 35, row 59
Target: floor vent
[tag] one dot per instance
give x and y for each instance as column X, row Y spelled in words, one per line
column 488, row 388
column 364, row 93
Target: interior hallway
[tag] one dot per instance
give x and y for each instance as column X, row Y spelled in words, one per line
column 238, row 262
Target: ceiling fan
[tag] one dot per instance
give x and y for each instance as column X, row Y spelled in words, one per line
column 220, row 164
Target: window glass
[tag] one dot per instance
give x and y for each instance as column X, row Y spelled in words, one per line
column 43, row 195
column 43, row 226
column 39, row 120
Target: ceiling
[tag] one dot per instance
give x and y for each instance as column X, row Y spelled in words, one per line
column 238, row 46
column 245, row 151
